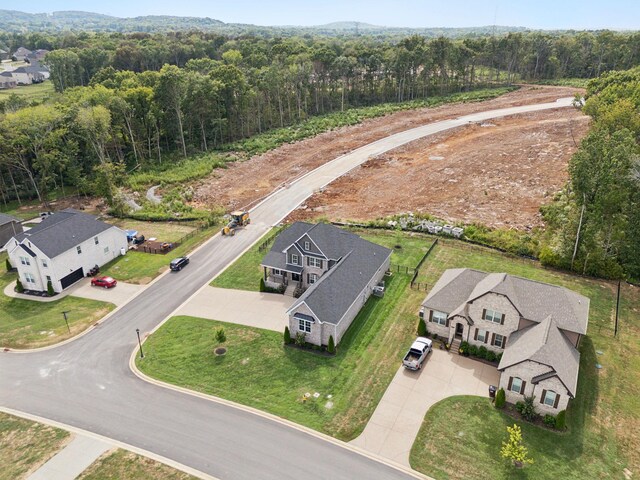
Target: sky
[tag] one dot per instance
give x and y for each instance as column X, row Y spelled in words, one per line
column 543, row 14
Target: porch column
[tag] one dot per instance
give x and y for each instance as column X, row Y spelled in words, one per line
column 265, row 273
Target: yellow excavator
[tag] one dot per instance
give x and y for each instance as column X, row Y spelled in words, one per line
column 239, row 218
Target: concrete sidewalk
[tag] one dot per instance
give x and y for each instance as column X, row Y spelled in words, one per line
column 254, row 309
column 394, row 425
column 118, row 295
column 72, row 460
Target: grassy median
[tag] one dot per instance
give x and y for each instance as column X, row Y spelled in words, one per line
column 124, row 464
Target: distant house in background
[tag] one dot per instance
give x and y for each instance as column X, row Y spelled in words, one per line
column 7, row 81
column 338, row 269
column 62, row 248
column 4, row 55
column 21, row 54
column 9, row 227
column 36, row 56
column 28, row 75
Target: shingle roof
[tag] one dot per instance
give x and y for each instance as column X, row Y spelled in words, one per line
column 4, row 219
column 546, row 344
column 62, row 231
column 534, row 300
column 335, row 292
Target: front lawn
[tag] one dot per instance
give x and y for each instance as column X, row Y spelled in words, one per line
column 31, row 324
column 125, row 464
column 460, row 437
column 141, row 268
column 26, row 445
column 260, row 372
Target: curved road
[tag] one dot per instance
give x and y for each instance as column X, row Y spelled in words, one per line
column 87, row 383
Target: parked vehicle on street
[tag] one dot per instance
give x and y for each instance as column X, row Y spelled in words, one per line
column 177, row 263
column 417, row 354
column 104, row 282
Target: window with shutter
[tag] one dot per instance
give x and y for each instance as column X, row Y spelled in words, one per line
column 549, row 397
column 516, row 385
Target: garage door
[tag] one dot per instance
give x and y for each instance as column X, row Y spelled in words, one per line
column 72, row 278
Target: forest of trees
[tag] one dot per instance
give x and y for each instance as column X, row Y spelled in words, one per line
column 131, row 102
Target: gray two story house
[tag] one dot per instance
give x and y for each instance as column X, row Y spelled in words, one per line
column 337, row 271
column 9, row 227
column 536, row 327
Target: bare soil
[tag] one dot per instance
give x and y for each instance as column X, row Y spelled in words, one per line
column 244, row 183
column 497, row 174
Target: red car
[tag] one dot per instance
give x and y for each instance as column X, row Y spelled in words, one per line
column 106, row 282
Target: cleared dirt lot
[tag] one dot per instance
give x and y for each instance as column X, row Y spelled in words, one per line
column 245, row 182
column 497, row 174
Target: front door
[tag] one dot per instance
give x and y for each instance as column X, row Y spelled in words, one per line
column 295, row 277
column 459, row 329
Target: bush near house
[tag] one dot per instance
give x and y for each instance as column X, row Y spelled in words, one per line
column 561, row 420
column 287, row 336
column 501, row 398
column 422, row 328
column 550, row 421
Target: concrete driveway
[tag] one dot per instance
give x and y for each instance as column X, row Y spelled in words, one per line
column 394, row 425
column 254, row 309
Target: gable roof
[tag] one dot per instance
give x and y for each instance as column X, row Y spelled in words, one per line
column 334, row 293
column 62, row 231
column 4, row 219
column 534, row 300
column 546, row 344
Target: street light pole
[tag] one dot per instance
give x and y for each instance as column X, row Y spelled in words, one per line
column 139, row 342
column 66, row 321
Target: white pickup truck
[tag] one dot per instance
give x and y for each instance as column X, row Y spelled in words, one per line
column 417, row 353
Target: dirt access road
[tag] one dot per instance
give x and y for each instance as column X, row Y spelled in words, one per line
column 397, row 181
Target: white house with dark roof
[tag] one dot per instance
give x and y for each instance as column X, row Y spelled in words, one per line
column 63, row 248
column 337, row 271
column 536, row 327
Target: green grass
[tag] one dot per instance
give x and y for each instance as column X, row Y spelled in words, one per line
column 258, row 371
column 124, row 464
column 26, row 445
column 31, row 324
column 604, row 418
column 141, row 268
column 163, row 231
column 37, row 91
column 28, row 209
column 563, row 82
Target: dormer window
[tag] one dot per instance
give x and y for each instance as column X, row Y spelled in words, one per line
column 307, row 247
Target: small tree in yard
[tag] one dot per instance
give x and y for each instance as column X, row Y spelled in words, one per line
column 422, row 328
column 8, row 265
column 262, row 285
column 301, row 338
column 19, row 287
column 287, row 336
column 221, row 337
column 513, row 449
column 500, row 398
column 331, row 348
column 50, row 291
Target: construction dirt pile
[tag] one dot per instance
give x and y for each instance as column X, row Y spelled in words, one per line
column 497, row 173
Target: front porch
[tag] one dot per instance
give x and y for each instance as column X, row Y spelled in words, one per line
column 278, row 278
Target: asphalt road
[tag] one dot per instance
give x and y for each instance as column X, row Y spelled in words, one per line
column 87, row 383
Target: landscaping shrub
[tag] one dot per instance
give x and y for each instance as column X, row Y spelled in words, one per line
column 8, row 265
column 50, row 291
column 287, row 336
column 527, row 409
column 550, row 421
column 501, row 398
column 473, row 350
column 519, row 406
column 422, row 328
column 262, row 286
column 221, row 337
column 19, row 287
column 561, row 420
column 498, row 357
column 491, row 356
column 482, row 352
column 434, row 335
column 301, row 339
column 331, row 348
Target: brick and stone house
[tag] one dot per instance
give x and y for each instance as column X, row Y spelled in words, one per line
column 9, row 227
column 63, row 248
column 536, row 327
column 337, row 271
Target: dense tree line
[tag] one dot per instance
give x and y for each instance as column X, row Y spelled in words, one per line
column 595, row 223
